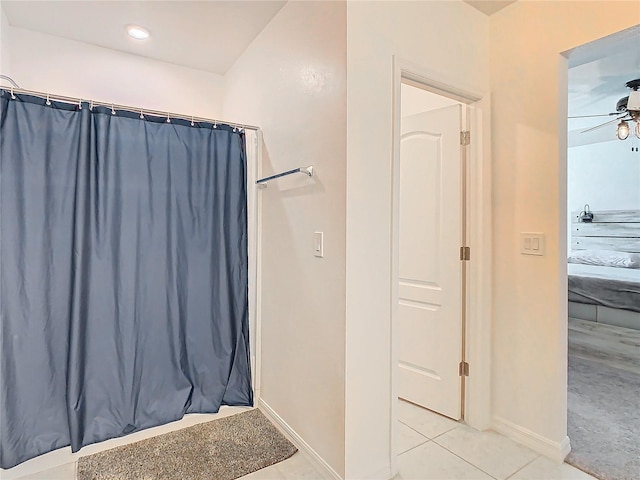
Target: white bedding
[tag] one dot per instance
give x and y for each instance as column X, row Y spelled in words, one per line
column 606, row 258
column 610, row 273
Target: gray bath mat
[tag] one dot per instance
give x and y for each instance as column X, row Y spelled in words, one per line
column 222, row 449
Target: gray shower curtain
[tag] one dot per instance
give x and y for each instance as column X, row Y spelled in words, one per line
column 123, row 273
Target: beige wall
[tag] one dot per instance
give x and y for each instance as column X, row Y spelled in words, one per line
column 449, row 39
column 292, row 82
column 528, row 85
column 53, row 64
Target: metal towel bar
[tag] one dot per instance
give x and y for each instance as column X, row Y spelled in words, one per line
column 306, row 170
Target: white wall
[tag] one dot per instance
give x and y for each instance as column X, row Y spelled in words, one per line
column 5, row 55
column 528, row 84
column 604, row 175
column 449, row 39
column 292, row 82
column 52, row 64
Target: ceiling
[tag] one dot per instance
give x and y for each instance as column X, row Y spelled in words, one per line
column 182, row 32
column 180, row 29
column 489, row 7
column 597, row 75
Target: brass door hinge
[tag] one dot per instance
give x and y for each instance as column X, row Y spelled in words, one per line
column 465, row 253
column 463, row 369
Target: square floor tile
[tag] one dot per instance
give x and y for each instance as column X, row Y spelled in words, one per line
column 269, row 473
column 424, row 421
column 63, row 472
column 408, row 438
column 489, row 451
column 543, row 468
column 299, row 467
column 432, row 462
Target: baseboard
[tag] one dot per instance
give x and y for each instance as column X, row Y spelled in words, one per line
column 556, row 451
column 327, row 471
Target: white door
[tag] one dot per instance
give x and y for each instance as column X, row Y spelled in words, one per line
column 430, row 270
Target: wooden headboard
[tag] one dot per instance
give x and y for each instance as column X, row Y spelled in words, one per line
column 617, row 230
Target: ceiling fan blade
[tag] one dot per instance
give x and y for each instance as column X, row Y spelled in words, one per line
column 591, row 116
column 603, row 124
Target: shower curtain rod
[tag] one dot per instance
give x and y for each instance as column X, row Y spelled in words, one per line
column 113, row 106
column 10, row 80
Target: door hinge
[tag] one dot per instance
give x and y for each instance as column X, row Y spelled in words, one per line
column 463, row 369
column 465, row 138
column 465, row 253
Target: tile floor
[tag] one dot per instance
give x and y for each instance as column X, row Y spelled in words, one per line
column 431, row 447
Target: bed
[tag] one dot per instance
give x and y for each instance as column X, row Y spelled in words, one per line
column 604, row 268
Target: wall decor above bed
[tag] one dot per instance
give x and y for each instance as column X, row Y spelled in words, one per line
column 617, row 230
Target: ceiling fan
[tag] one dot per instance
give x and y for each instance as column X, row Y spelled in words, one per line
column 627, row 110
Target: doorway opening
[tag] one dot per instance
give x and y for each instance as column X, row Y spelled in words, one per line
column 431, row 234
column 441, row 213
column 603, row 224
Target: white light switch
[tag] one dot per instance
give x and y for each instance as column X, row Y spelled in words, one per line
column 532, row 243
column 318, row 244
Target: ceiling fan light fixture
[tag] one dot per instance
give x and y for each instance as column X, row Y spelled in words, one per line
column 623, row 130
column 634, row 101
column 638, row 129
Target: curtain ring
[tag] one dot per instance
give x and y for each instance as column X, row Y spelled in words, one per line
column 80, row 104
column 215, row 124
column 113, row 112
column 168, row 119
column 48, row 101
column 91, row 105
column 13, row 97
column 141, row 115
column 192, row 124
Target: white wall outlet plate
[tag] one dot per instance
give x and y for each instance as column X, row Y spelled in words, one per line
column 531, row 243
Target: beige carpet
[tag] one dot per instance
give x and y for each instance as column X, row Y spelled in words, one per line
column 222, row 449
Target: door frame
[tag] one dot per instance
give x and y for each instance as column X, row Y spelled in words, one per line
column 253, row 146
column 477, row 281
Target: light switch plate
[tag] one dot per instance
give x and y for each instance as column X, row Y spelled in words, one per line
column 532, row 243
column 318, row 244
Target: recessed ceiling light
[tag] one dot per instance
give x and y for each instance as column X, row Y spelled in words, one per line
column 137, row 32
